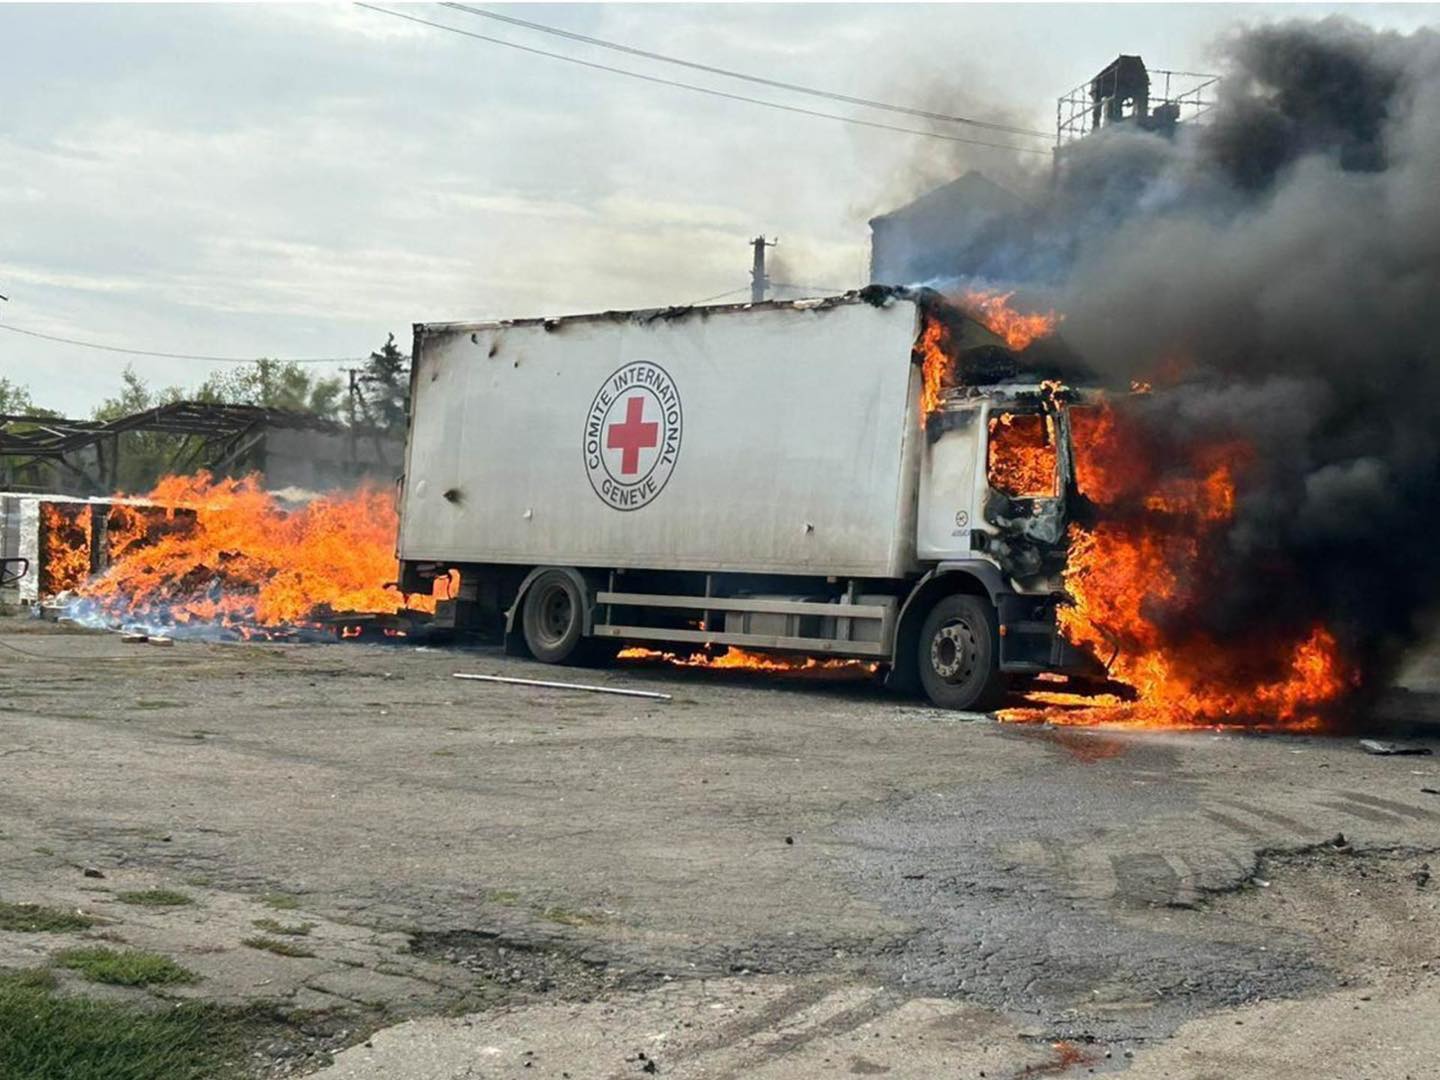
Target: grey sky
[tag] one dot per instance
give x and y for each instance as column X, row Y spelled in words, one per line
column 301, row 180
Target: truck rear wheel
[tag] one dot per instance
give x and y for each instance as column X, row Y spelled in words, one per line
column 960, row 654
column 553, row 618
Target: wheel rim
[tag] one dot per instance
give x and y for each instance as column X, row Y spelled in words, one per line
column 556, row 613
column 954, row 651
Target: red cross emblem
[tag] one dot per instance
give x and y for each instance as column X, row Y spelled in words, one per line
column 632, row 436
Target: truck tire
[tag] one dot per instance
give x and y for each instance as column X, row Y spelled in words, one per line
column 959, row 657
column 553, row 618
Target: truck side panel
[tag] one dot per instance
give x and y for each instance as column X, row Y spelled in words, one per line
column 769, row 440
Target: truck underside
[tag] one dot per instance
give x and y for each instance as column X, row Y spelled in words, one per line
column 585, row 615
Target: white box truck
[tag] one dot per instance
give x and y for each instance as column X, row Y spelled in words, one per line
column 759, row 475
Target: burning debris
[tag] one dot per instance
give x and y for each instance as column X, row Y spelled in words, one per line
column 68, row 562
column 208, row 554
column 734, row 658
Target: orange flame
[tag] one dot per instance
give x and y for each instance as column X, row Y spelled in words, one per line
column 935, row 364
column 1022, row 454
column 736, row 658
column 225, row 551
column 1145, row 559
column 991, row 308
column 65, row 562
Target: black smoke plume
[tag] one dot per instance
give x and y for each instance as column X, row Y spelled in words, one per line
column 1283, row 262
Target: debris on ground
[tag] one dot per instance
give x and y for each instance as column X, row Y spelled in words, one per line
column 549, row 684
column 1391, row 749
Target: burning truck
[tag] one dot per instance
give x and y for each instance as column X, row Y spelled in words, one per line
column 895, row 479
column 931, row 483
column 875, row 476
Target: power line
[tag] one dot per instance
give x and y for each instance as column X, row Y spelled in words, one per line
column 795, row 87
column 719, row 296
column 174, row 356
column 830, row 290
column 701, row 89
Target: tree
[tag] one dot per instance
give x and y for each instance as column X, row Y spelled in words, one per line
column 15, row 400
column 386, row 382
column 276, row 384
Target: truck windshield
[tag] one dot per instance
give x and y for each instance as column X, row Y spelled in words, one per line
column 1021, row 460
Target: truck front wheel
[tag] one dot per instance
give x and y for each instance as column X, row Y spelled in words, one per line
column 960, row 654
column 553, row 618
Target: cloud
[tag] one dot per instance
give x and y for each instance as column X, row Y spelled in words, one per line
column 304, row 179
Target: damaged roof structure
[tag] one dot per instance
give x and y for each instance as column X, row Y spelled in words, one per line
column 82, row 457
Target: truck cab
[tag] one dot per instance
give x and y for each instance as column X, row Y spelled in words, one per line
column 996, row 496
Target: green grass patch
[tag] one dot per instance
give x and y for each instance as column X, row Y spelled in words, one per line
column 274, row 926
column 154, row 898
column 508, row 897
column 568, row 917
column 276, row 946
column 280, row 901
column 127, row 967
column 38, row 919
column 44, row 1036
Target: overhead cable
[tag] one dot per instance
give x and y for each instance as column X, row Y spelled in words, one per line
column 702, row 89
column 178, row 356
column 868, row 103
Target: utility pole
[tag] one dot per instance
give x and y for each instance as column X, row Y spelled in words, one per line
column 354, row 374
column 759, row 282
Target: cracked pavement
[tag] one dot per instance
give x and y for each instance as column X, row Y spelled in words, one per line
column 766, row 876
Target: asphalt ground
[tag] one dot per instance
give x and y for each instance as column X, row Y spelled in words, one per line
column 767, row 875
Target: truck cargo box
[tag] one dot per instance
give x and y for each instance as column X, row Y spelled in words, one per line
column 772, row 438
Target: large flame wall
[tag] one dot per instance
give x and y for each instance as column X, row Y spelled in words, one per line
column 228, row 552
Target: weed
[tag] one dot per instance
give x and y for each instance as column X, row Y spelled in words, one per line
column 37, row 919
column 288, row 929
column 129, row 967
column 280, row 901
column 276, row 946
column 154, row 898
column 47, row 1036
column 567, row 917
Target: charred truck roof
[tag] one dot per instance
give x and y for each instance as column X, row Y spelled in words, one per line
column 982, row 358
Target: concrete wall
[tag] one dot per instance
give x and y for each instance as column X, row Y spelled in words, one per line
column 320, row 460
